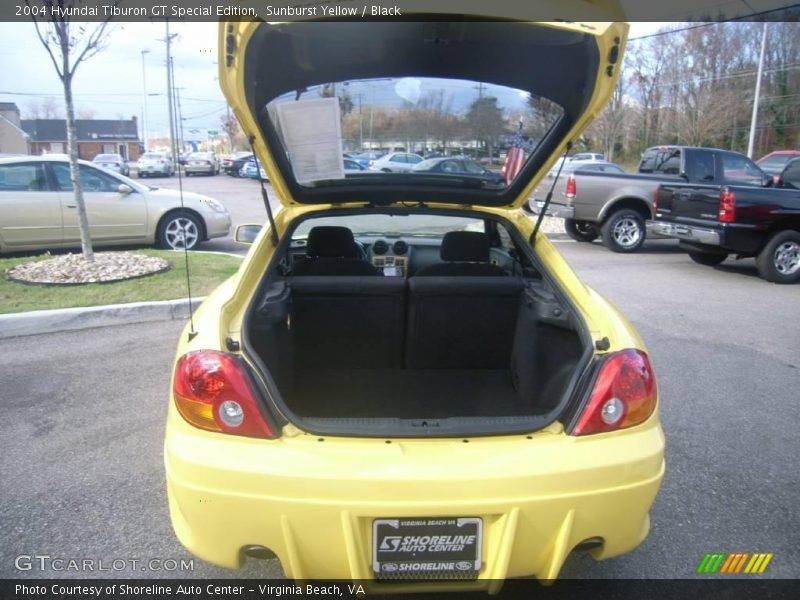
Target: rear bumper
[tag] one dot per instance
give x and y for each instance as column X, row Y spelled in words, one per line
column 687, row 233
column 312, row 503
column 560, row 211
column 200, row 169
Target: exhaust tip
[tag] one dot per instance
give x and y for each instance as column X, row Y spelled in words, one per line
column 259, row 552
column 588, row 544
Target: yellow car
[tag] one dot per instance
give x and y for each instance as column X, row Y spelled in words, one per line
column 404, row 383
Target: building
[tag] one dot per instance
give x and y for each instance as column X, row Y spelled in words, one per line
column 95, row 136
column 13, row 139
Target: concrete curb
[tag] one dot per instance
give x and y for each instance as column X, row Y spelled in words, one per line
column 70, row 319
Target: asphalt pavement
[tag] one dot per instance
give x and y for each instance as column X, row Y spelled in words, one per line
column 84, row 417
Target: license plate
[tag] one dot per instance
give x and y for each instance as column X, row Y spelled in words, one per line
column 427, row 548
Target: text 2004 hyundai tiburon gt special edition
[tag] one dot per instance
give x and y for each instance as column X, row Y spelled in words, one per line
column 403, row 383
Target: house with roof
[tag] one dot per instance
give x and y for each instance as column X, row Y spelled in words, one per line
column 95, row 136
column 13, row 139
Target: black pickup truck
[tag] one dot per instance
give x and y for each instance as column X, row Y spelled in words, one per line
column 727, row 205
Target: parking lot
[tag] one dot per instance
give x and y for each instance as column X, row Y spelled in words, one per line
column 85, row 413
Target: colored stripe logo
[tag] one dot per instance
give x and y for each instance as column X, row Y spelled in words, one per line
column 737, row 562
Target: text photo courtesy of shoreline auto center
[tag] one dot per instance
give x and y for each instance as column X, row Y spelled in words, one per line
column 341, row 299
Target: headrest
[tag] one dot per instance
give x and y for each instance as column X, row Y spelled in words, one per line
column 331, row 242
column 465, row 246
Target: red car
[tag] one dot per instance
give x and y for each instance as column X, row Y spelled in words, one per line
column 774, row 162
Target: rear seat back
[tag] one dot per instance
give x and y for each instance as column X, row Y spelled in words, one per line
column 348, row 321
column 461, row 322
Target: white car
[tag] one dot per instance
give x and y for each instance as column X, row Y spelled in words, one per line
column 112, row 162
column 38, row 209
column 395, row 162
column 155, row 163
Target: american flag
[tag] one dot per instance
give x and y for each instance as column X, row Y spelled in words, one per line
column 515, row 158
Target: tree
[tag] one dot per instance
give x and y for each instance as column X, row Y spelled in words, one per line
column 46, row 108
column 486, row 120
column 68, row 45
column 230, row 125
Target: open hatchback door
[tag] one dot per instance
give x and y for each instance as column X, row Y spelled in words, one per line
column 397, row 99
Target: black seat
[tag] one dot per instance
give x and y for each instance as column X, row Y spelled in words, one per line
column 461, row 322
column 348, row 322
column 332, row 251
column 463, row 253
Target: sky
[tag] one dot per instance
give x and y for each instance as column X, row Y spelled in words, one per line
column 111, row 83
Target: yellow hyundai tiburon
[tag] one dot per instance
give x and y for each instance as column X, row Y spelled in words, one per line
column 405, row 383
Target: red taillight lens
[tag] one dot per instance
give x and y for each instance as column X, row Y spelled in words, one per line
column 572, row 187
column 727, row 206
column 655, row 200
column 624, row 394
column 212, row 392
column 371, row 164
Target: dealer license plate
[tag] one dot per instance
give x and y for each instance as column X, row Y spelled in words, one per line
column 427, row 548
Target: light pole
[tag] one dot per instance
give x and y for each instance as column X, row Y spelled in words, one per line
column 754, row 119
column 144, row 100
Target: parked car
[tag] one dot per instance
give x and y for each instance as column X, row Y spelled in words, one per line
column 112, row 162
column 774, row 162
column 352, row 166
column 735, row 208
column 155, row 163
column 401, row 361
column 364, row 158
column 204, row 163
column 233, row 164
column 458, row 166
column 183, row 158
column 616, row 206
column 590, row 156
column 395, row 162
column 38, row 210
column 251, row 169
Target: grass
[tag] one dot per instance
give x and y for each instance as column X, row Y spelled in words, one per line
column 207, row 272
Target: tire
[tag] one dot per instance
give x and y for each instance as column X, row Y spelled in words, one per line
column 623, row 231
column 709, row 259
column 581, row 231
column 169, row 231
column 779, row 259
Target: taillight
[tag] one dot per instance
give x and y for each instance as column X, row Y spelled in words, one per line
column 371, row 164
column 727, row 206
column 624, row 394
column 655, row 201
column 212, row 392
column 572, row 187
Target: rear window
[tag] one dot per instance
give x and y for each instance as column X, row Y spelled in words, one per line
column 776, row 162
column 424, row 116
column 153, row 156
column 393, row 225
column 664, row 161
column 107, row 157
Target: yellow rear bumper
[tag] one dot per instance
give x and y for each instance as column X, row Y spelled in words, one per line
column 312, row 501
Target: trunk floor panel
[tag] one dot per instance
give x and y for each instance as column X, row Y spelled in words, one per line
column 406, row 394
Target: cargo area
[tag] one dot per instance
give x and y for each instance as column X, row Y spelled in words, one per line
column 367, row 349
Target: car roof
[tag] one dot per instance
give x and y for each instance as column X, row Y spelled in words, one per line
column 44, row 158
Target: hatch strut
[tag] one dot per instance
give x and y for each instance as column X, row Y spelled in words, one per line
column 549, row 197
column 273, row 232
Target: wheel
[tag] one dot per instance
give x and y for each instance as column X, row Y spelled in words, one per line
column 779, row 260
column 581, row 231
column 386, row 170
column 709, row 259
column 623, row 231
column 178, row 230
